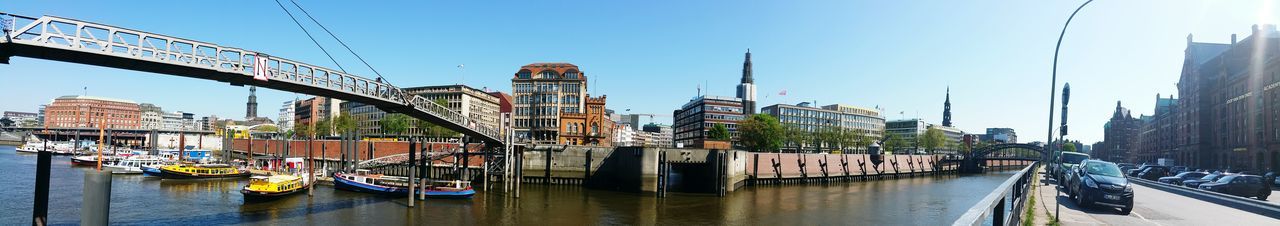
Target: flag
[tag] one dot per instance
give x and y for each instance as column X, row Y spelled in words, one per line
column 260, row 68
column 783, row 93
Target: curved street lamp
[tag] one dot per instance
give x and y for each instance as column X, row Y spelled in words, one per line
column 1053, row 86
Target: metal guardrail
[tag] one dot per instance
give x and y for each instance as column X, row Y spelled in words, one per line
column 1271, row 210
column 1004, row 205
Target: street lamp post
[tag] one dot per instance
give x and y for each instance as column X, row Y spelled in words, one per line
column 1053, row 86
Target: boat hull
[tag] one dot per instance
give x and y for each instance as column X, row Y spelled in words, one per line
column 463, row 194
column 81, row 162
column 149, row 171
column 348, row 185
column 259, row 196
column 167, row 174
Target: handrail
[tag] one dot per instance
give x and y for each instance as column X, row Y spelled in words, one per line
column 993, row 205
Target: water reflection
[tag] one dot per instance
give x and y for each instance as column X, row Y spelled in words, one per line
column 138, row 199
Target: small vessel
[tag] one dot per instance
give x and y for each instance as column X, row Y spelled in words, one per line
column 32, row 147
column 151, row 170
column 134, row 164
column 449, row 189
column 363, row 181
column 201, row 171
column 91, row 160
column 263, row 188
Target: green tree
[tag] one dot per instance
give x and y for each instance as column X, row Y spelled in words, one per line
column 760, row 133
column 395, row 123
column 344, row 123
column 719, row 132
column 1068, row 147
column 323, row 128
column 894, row 143
column 933, row 139
column 304, row 131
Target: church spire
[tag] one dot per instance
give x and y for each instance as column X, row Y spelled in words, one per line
column 746, row 69
column 251, row 108
column 946, row 109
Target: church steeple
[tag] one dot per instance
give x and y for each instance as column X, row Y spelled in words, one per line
column 251, row 108
column 747, row 89
column 746, row 69
column 946, row 109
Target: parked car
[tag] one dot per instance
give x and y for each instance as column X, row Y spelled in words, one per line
column 1154, row 172
column 1177, row 169
column 1177, row 179
column 1239, row 185
column 1067, row 161
column 1101, row 183
column 1134, row 172
column 1206, row 179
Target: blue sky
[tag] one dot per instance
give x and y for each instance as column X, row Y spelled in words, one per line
column 650, row 56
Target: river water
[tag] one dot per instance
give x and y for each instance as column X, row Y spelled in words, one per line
column 141, row 200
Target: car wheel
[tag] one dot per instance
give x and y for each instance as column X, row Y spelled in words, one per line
column 1126, row 210
column 1080, row 200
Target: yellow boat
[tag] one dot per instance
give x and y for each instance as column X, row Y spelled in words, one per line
column 270, row 187
column 200, row 171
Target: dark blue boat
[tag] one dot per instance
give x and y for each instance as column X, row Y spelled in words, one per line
column 362, row 181
column 150, row 171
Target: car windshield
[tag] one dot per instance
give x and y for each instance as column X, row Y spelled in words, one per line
column 1073, row 159
column 1210, row 177
column 1225, row 179
column 1102, row 168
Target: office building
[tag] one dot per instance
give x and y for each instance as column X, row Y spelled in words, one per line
column 694, row 120
column 836, row 117
column 541, row 92
column 92, row 112
column 590, row 127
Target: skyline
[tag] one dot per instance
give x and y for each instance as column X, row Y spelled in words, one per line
column 1106, row 57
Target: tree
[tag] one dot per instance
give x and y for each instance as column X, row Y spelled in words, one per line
column 794, row 136
column 395, row 123
column 267, row 128
column 304, row 130
column 323, row 128
column 344, row 123
column 719, row 132
column 760, row 133
column 893, row 143
column 933, row 139
column 1068, row 147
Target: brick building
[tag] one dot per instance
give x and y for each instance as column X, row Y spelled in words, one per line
column 92, row 112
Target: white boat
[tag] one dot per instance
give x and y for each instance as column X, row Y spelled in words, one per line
column 133, row 165
column 33, row 147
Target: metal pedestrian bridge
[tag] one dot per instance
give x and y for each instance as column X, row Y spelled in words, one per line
column 75, row 41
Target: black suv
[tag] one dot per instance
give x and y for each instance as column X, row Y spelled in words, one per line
column 1101, row 183
column 1154, row 172
column 1240, row 185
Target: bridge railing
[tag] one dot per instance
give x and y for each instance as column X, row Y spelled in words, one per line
column 89, row 37
column 1004, row 205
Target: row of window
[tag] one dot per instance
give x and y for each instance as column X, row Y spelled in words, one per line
column 547, row 74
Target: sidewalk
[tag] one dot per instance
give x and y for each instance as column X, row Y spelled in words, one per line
column 1046, row 198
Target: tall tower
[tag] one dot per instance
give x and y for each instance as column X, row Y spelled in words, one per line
column 747, row 90
column 946, row 110
column 251, row 108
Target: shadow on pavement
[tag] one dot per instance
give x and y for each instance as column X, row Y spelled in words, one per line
column 1093, row 209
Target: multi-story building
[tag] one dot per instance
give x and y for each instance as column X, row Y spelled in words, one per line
column 630, row 119
column 695, row 119
column 309, row 111
column 40, row 116
column 865, row 121
column 23, row 119
column 590, row 127
column 481, row 107
column 1156, row 134
column 152, row 116
column 88, row 111
column 285, row 118
column 541, row 92
column 1119, row 135
column 908, row 131
column 1000, row 135
column 953, row 136
column 624, row 135
column 478, row 105
column 171, row 121
column 659, row 135
column 1229, row 113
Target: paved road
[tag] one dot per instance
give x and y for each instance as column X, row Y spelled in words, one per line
column 1153, row 207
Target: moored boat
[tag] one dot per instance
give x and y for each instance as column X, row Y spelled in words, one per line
column 91, row 160
column 263, row 188
column 449, row 189
column 134, row 164
column 363, row 181
column 151, row 170
column 201, row 171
